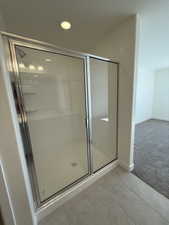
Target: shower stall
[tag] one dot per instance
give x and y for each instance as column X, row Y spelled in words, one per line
column 67, row 107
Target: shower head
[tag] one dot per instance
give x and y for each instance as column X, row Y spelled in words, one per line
column 20, row 52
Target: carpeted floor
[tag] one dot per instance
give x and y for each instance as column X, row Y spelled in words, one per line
column 151, row 156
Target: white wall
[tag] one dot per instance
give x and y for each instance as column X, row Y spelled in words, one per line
column 153, row 55
column 144, row 96
column 15, row 198
column 154, row 27
column 152, row 95
column 2, row 23
column 12, row 153
column 5, row 204
column 120, row 45
column 161, row 95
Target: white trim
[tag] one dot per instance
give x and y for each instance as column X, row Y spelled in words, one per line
column 62, row 198
column 126, row 166
column 155, row 118
column 151, row 118
column 142, row 121
column 130, row 167
column 9, row 211
column 37, row 42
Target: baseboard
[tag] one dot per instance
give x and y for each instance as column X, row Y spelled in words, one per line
column 62, row 198
column 163, row 120
column 142, row 121
column 126, row 166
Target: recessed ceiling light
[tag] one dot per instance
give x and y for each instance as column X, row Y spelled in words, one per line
column 40, row 68
column 31, row 67
column 48, row 60
column 65, row 25
column 21, row 66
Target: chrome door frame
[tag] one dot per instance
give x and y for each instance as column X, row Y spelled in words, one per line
column 90, row 108
column 22, row 116
column 10, row 41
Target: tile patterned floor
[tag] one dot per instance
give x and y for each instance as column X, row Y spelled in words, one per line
column 118, row 198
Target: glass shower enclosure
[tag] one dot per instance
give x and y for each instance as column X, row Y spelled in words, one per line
column 67, row 107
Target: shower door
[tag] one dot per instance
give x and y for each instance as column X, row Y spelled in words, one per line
column 103, row 84
column 51, row 103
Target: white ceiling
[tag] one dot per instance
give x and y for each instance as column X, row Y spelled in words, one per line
column 91, row 19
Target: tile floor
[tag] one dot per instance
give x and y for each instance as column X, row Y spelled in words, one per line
column 118, row 198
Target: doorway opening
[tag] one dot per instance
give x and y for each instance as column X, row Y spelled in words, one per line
column 151, row 147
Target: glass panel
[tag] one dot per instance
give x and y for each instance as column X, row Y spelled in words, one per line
column 54, row 98
column 104, row 111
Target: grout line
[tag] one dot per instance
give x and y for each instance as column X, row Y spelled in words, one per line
column 125, row 212
column 141, row 198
